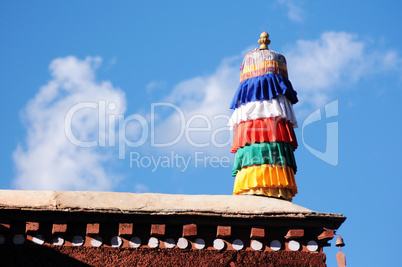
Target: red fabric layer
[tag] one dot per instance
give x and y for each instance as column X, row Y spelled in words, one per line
column 274, row 129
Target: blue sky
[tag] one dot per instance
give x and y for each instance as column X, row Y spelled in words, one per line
column 114, row 62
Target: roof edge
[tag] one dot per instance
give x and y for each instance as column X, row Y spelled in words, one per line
column 156, row 204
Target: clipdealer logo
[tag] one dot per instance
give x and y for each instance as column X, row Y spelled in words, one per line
column 112, row 132
column 177, row 161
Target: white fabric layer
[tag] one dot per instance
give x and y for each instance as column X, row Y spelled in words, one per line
column 277, row 107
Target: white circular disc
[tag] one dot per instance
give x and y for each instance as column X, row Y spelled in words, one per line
column 96, row 241
column 77, row 241
column 38, row 239
column 219, row 244
column 19, row 239
column 275, row 245
column 294, row 245
column 256, row 245
column 58, row 241
column 312, row 246
column 199, row 243
column 116, row 241
column 237, row 244
column 153, row 242
column 182, row 243
column 135, row 242
column 2, row 239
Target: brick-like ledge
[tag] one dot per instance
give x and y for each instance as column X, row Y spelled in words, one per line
column 235, row 230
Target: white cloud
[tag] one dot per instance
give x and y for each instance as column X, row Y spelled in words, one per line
column 295, row 11
column 204, row 102
column 141, row 188
column 155, row 85
column 48, row 160
column 318, row 67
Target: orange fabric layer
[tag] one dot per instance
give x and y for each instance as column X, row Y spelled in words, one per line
column 274, row 129
column 262, row 177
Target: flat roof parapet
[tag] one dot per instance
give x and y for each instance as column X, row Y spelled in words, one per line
column 157, row 204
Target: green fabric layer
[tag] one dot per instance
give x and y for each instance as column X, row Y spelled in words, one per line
column 273, row 153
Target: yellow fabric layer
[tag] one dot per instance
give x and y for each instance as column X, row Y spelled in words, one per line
column 285, row 193
column 262, row 177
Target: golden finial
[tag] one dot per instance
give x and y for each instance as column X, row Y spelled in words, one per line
column 264, row 40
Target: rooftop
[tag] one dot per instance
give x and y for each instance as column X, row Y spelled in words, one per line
column 155, row 204
column 95, row 228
